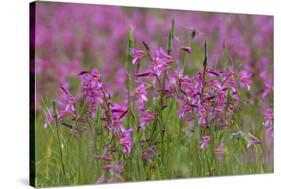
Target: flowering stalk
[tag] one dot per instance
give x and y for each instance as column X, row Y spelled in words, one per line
column 205, row 63
column 130, row 69
column 169, row 51
column 187, row 50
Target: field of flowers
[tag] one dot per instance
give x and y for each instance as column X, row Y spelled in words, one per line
column 132, row 94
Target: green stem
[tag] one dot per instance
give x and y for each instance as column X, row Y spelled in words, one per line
column 58, row 137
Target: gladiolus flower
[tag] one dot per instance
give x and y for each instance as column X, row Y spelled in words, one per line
column 137, row 55
column 126, row 140
column 252, row 140
column 204, row 142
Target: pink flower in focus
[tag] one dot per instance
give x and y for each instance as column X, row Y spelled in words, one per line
column 91, row 88
column 65, row 104
column 160, row 61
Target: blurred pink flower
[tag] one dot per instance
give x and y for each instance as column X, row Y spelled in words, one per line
column 252, row 140
column 204, row 142
column 245, row 79
column 137, row 55
column 146, row 117
column 49, row 118
column 125, row 140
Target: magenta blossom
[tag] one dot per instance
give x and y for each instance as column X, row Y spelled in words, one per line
column 204, row 142
column 148, row 154
column 252, row 140
column 118, row 111
column 125, row 140
column 49, row 118
column 141, row 93
column 268, row 122
column 160, row 61
column 146, row 117
column 268, row 117
column 66, row 104
column 137, row 55
column 92, row 88
column 245, row 79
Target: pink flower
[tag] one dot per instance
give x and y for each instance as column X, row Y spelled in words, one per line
column 101, row 180
column 118, row 111
column 160, row 61
column 148, row 154
column 49, row 118
column 245, row 79
column 252, row 140
column 202, row 115
column 125, row 140
column 204, row 142
column 137, row 55
column 91, row 88
column 65, row 104
column 268, row 117
column 141, row 93
column 146, row 117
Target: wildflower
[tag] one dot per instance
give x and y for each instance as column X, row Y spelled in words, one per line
column 202, row 115
column 160, row 61
column 245, row 79
column 204, row 142
column 141, row 93
column 268, row 117
column 137, row 55
column 49, row 118
column 148, row 154
column 186, row 108
column 91, row 88
column 118, row 111
column 101, row 180
column 252, row 140
column 146, row 117
column 115, row 169
column 65, row 104
column 125, row 140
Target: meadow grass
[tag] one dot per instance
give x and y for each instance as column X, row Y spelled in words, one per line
column 178, row 155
